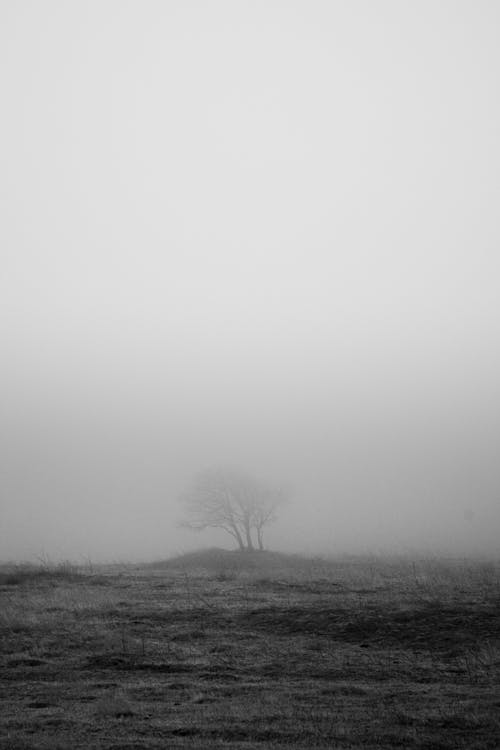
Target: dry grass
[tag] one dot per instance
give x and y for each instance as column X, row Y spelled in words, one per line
column 220, row 650
column 15, row 575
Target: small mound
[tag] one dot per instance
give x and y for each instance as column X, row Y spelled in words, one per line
column 217, row 560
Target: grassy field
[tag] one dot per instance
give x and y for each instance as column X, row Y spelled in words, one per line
column 229, row 650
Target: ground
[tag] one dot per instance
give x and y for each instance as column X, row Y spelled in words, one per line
column 238, row 650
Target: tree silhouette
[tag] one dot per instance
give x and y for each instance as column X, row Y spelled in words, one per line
column 233, row 501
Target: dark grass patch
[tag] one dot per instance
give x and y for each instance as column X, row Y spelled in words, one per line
column 39, row 743
column 431, row 626
column 126, row 662
column 25, row 661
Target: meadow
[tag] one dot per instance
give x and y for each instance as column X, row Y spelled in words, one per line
column 222, row 649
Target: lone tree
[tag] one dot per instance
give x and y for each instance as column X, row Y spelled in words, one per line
column 233, row 501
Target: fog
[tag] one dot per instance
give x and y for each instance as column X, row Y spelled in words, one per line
column 261, row 234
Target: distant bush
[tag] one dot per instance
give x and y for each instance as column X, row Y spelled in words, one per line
column 17, row 575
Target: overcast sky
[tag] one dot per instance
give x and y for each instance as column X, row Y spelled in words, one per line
column 256, row 233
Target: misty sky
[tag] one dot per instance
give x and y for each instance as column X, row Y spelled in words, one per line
column 255, row 233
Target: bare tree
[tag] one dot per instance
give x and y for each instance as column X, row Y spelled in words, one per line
column 233, row 501
column 264, row 511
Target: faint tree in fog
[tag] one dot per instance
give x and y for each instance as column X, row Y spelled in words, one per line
column 233, row 501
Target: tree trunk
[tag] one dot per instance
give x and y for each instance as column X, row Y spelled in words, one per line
column 238, row 537
column 249, row 538
column 240, row 544
column 259, row 539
